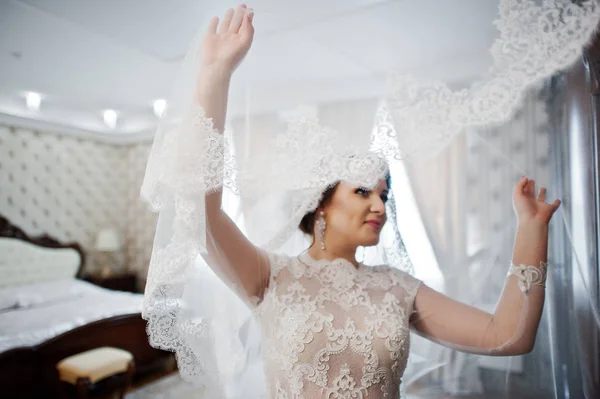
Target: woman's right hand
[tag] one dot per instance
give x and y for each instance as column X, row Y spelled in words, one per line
column 224, row 46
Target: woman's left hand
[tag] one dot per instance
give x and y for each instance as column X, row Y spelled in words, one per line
column 530, row 208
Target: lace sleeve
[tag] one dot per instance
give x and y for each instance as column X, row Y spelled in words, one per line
column 406, row 288
column 411, row 286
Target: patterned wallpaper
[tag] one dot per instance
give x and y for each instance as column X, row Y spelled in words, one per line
column 71, row 187
column 141, row 223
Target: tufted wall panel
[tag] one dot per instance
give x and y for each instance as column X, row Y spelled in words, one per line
column 70, row 188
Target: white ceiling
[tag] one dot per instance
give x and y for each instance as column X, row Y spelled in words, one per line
column 87, row 56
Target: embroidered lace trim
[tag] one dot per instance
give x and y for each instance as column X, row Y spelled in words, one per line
column 529, row 276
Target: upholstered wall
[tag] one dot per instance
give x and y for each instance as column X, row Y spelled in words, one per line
column 72, row 187
column 141, row 223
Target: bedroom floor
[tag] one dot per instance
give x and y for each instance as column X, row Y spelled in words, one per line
column 173, row 387
column 168, row 387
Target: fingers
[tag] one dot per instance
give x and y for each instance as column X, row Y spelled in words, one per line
column 556, row 204
column 530, row 189
column 212, row 26
column 226, row 21
column 247, row 27
column 526, row 186
column 542, row 194
column 238, row 17
column 521, row 185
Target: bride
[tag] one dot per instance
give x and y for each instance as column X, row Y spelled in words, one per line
column 331, row 326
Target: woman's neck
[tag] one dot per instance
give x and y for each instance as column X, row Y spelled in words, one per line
column 317, row 253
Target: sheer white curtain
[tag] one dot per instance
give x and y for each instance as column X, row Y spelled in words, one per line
column 438, row 223
column 464, row 198
column 355, row 117
column 247, row 152
column 497, row 157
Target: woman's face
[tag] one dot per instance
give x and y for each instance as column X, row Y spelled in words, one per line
column 357, row 215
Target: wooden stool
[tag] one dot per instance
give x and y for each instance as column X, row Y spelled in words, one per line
column 85, row 369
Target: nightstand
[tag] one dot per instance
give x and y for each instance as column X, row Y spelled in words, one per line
column 118, row 282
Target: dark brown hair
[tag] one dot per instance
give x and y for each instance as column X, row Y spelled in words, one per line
column 307, row 224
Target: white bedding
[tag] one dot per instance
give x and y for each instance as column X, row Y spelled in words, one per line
column 34, row 313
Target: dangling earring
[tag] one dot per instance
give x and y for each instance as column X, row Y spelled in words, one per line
column 321, row 224
column 363, row 250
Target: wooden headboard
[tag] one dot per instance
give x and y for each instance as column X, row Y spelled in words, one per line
column 26, row 260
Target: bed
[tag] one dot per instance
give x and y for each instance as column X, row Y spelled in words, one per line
column 48, row 313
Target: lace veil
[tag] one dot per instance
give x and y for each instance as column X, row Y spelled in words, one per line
column 337, row 92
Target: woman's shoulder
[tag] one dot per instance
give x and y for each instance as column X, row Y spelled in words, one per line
column 395, row 275
column 400, row 283
column 278, row 261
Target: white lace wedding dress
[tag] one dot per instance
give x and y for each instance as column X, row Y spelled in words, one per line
column 330, row 330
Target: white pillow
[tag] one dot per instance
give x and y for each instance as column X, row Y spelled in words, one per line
column 8, row 300
column 24, row 263
column 37, row 294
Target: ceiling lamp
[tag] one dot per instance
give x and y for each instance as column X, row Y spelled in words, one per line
column 33, row 100
column 159, row 107
column 110, row 118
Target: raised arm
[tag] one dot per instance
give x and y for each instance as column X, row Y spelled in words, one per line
column 512, row 328
column 224, row 47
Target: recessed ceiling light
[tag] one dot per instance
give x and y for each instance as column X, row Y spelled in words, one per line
column 159, row 107
column 33, row 100
column 110, row 118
